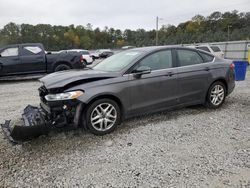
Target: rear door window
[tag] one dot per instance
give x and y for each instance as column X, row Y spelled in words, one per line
column 203, row 48
column 206, row 57
column 188, row 57
column 31, row 50
column 8, row 52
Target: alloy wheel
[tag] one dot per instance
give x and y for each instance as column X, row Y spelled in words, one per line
column 103, row 117
column 217, row 95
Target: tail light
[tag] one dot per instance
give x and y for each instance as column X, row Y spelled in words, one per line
column 82, row 59
column 232, row 66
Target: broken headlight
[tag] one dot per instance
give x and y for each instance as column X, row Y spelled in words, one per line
column 63, row 96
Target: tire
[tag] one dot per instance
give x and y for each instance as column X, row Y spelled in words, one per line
column 62, row 67
column 216, row 95
column 99, row 122
column 85, row 64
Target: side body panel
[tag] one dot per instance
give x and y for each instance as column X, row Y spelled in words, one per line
column 32, row 62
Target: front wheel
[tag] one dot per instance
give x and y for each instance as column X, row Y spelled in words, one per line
column 216, row 95
column 103, row 116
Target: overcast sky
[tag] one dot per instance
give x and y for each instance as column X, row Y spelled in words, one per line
column 120, row 14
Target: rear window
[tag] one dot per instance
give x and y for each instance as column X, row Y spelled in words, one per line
column 206, row 57
column 215, row 48
column 204, row 48
column 31, row 50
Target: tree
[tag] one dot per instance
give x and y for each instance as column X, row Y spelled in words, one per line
column 198, row 29
column 215, row 16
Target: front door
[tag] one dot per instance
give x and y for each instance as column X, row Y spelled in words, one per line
column 157, row 90
column 10, row 61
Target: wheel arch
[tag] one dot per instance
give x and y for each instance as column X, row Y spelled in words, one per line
column 108, row 96
column 61, row 63
column 222, row 80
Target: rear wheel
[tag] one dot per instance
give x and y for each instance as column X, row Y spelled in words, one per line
column 62, row 67
column 216, row 95
column 103, row 116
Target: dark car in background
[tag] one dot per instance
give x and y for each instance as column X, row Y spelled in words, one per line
column 103, row 53
column 135, row 82
column 21, row 59
column 85, row 55
column 106, row 54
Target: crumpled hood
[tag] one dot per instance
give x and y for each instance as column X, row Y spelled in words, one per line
column 64, row 78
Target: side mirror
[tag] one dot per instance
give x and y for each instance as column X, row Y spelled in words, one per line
column 0, row 55
column 141, row 70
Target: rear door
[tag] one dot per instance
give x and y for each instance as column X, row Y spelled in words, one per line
column 157, row 90
column 33, row 59
column 10, row 60
column 193, row 76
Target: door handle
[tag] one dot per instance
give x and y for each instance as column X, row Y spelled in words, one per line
column 170, row 74
column 207, row 69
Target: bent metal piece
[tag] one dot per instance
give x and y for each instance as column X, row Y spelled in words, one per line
column 35, row 124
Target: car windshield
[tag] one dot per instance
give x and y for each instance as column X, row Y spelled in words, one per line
column 118, row 61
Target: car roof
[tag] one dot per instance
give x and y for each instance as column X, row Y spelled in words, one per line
column 76, row 50
column 24, row 44
column 155, row 48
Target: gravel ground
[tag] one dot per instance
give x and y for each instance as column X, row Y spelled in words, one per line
column 192, row 147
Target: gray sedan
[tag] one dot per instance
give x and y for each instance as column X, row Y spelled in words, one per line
column 139, row 81
column 131, row 83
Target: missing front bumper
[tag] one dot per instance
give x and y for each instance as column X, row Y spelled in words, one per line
column 34, row 124
column 40, row 121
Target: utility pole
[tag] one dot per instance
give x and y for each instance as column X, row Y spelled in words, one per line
column 157, row 34
column 157, row 30
column 228, row 32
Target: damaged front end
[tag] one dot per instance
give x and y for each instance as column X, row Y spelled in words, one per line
column 37, row 121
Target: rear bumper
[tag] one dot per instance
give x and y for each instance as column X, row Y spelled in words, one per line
column 230, row 88
column 230, row 82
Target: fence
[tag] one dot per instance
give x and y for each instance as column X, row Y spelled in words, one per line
column 235, row 50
